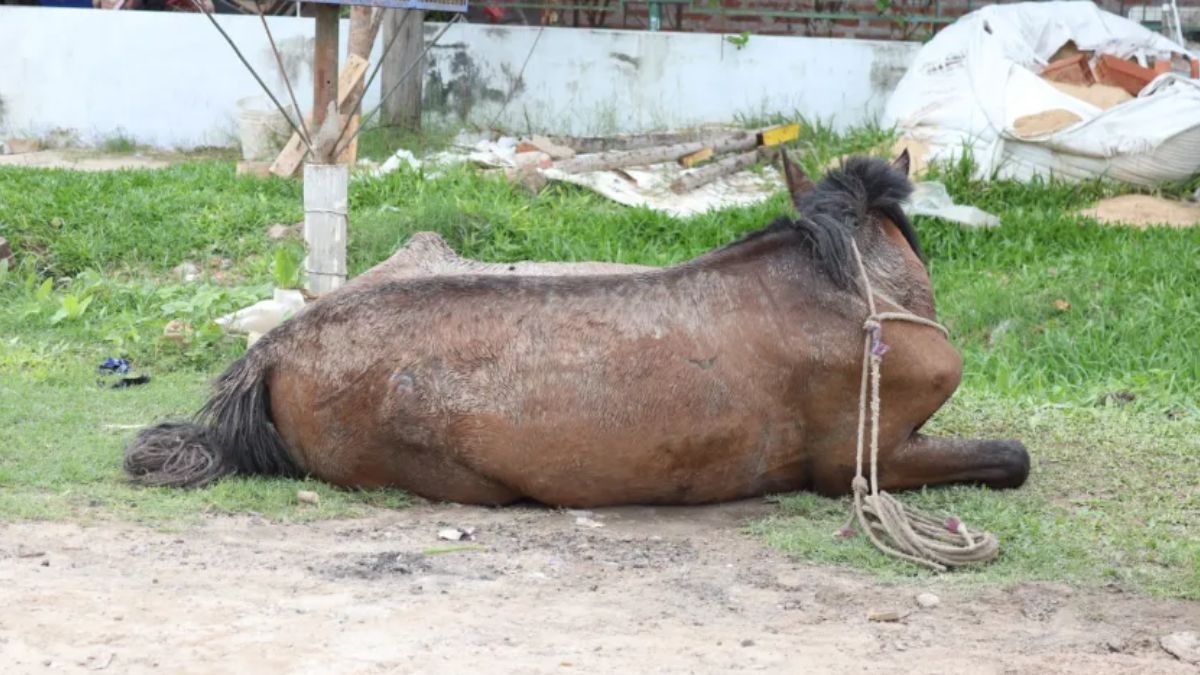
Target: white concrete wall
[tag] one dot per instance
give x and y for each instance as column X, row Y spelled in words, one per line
column 169, row 79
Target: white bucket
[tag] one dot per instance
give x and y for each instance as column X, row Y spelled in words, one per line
column 261, row 128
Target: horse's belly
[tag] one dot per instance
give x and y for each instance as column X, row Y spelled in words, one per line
column 585, row 468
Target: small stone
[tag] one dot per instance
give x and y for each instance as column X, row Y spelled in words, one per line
column 308, row 497
column 177, row 331
column 928, row 600
column 1184, row 645
column 187, row 271
column 281, row 231
column 883, row 615
column 747, row 643
column 456, row 533
column 6, row 251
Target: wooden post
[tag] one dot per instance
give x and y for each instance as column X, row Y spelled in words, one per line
column 325, row 65
column 364, row 26
column 403, row 107
column 325, row 219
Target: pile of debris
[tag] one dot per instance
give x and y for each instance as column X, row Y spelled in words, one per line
column 681, row 173
column 1053, row 88
column 1109, row 83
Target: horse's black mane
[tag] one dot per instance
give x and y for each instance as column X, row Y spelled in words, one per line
column 840, row 203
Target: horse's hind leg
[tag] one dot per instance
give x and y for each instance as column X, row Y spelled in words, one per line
column 927, row 460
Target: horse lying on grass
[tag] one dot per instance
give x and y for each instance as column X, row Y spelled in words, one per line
column 731, row 375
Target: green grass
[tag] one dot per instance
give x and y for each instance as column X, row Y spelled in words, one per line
column 1103, row 389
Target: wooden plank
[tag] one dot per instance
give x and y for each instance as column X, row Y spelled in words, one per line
column 688, row 161
column 779, row 134
column 708, row 174
column 636, row 141
column 364, row 26
column 325, row 60
column 325, row 218
column 616, row 159
column 293, row 152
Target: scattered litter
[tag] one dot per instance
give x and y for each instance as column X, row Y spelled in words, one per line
column 611, row 168
column 121, row 427
column 125, row 382
column 1062, row 305
column 6, row 254
column 119, row 366
column 308, row 497
column 931, row 199
column 884, row 615
column 928, row 600
column 1184, row 646
column 112, row 365
column 22, row 553
column 398, row 158
column 1142, row 211
column 264, row 315
column 584, row 521
column 457, row 533
column 1044, row 65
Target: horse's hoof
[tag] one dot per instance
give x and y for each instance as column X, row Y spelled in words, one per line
column 1012, row 461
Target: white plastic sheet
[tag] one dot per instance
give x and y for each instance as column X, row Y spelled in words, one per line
column 970, row 83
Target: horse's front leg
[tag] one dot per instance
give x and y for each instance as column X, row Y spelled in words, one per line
column 928, row 460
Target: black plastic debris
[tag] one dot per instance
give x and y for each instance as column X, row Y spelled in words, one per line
column 120, row 366
column 114, row 366
column 130, row 382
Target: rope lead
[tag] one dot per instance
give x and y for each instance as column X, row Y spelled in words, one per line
column 895, row 529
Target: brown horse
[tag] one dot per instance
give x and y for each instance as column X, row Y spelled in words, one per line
column 731, row 375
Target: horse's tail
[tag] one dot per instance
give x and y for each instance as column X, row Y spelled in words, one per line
column 232, row 434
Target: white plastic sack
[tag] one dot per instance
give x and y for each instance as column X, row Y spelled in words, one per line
column 932, row 199
column 264, row 315
column 970, row 83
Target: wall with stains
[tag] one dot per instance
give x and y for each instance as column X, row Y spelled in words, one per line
column 584, row 81
column 169, row 80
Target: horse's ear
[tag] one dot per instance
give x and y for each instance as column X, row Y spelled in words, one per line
column 798, row 183
column 901, row 162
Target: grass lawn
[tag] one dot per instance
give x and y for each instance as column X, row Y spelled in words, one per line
column 1078, row 339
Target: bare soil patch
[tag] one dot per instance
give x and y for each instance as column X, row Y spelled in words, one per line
column 668, row 590
column 1142, row 211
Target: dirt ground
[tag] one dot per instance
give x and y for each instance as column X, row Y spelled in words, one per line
column 81, row 160
column 678, row 590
